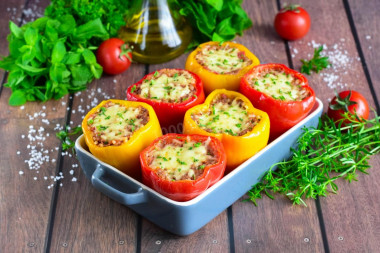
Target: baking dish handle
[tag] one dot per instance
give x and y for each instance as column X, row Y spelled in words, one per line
column 124, row 198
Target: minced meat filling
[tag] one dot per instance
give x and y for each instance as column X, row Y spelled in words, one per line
column 181, row 159
column 167, row 85
column 227, row 115
column 222, row 59
column 278, row 84
column 113, row 124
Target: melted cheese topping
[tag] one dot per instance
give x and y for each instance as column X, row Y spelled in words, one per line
column 222, row 59
column 226, row 116
column 279, row 85
column 113, row 123
column 181, row 159
column 168, row 85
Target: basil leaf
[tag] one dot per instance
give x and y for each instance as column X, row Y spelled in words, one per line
column 217, row 4
column 89, row 56
column 32, row 70
column 72, row 58
column 15, row 30
column 17, row 98
column 81, row 74
column 31, row 36
column 93, row 28
column 68, row 24
column 59, row 52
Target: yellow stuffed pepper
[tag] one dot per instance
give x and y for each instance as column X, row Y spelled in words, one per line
column 116, row 131
column 221, row 66
column 230, row 117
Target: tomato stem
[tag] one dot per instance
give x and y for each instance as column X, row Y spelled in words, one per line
column 125, row 50
column 342, row 103
column 291, row 7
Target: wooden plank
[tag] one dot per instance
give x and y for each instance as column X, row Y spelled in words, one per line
column 214, row 237
column 273, row 226
column 29, row 160
column 367, row 26
column 14, row 11
column 351, row 218
column 90, row 221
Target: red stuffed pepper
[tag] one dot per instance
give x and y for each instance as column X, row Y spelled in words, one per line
column 281, row 92
column 171, row 92
column 181, row 166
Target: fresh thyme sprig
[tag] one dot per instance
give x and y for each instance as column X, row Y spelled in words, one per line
column 323, row 155
column 64, row 136
column 316, row 64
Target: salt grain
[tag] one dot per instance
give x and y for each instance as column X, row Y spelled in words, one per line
column 21, row 172
column 340, row 60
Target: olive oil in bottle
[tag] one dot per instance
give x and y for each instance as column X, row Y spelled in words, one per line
column 157, row 32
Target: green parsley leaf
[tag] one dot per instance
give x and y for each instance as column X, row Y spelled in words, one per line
column 316, row 64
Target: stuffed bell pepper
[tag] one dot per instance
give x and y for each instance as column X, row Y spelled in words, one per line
column 116, row 131
column 281, row 92
column 221, row 66
column 171, row 92
column 230, row 117
column 181, row 167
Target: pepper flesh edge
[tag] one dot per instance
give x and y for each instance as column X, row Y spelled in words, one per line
column 238, row 148
column 211, row 80
column 184, row 190
column 177, row 110
column 124, row 157
column 283, row 114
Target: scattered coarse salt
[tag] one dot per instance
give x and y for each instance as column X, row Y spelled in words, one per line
column 39, row 131
column 340, row 60
column 368, row 37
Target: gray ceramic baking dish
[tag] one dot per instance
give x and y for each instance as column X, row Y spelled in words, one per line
column 184, row 218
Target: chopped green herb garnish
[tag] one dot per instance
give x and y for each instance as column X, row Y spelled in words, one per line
column 198, row 144
column 316, row 64
column 181, row 162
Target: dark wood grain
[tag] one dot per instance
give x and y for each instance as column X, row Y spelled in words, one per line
column 213, row 237
column 367, row 27
column 351, row 218
column 276, row 223
column 39, row 214
column 95, row 223
column 25, row 198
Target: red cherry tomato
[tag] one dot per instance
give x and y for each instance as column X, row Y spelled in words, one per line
column 292, row 22
column 114, row 55
column 348, row 101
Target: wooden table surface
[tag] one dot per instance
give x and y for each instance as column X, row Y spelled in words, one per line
column 47, row 204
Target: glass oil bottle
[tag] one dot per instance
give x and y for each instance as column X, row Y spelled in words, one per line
column 157, row 32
